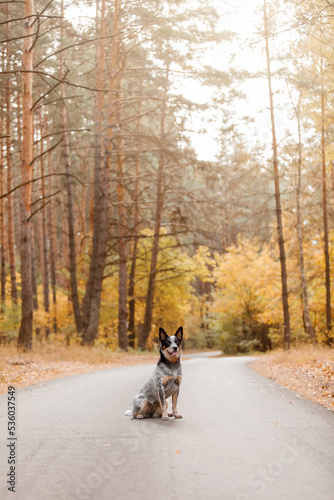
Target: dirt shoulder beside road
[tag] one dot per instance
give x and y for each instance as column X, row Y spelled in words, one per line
column 308, row 371
column 50, row 362
column 47, row 362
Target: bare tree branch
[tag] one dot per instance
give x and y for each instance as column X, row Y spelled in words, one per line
column 43, row 73
column 47, row 150
column 60, row 174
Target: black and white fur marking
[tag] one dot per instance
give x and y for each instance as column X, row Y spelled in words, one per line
column 164, row 382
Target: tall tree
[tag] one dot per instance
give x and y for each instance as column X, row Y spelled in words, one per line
column 116, row 112
column 44, row 238
column 146, row 327
column 325, row 212
column 305, row 300
column 92, row 298
column 132, row 275
column 2, row 224
column 10, row 209
column 69, row 185
column 25, row 333
column 286, row 313
column 52, row 236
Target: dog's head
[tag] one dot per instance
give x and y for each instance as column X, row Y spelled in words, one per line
column 171, row 344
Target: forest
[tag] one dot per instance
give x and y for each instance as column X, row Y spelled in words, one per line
column 161, row 167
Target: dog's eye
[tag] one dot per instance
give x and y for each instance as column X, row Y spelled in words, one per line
column 167, row 343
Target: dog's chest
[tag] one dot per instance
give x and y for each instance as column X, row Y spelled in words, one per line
column 171, row 383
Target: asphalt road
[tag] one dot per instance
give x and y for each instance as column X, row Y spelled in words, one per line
column 241, row 437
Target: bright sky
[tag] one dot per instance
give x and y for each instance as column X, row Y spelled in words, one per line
column 241, row 17
column 245, row 17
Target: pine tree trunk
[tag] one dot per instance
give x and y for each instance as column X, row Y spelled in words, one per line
column 2, row 228
column 17, row 194
column 306, row 313
column 113, row 119
column 71, row 227
column 122, row 246
column 25, row 333
column 44, row 239
column 325, row 218
column 34, row 245
column 10, row 210
column 98, row 166
column 92, row 298
column 286, row 313
column 53, row 245
column 146, row 327
column 91, row 331
column 131, row 291
column 69, row 189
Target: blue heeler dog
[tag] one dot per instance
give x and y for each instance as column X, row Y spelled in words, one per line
column 164, row 382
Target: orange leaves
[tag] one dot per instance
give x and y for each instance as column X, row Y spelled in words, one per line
column 308, row 375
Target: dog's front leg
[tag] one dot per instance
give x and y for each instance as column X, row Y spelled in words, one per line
column 163, row 403
column 174, row 404
column 175, row 397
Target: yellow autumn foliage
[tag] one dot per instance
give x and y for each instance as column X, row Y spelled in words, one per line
column 231, row 300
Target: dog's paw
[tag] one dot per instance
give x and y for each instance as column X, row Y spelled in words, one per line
column 170, row 414
column 139, row 416
column 165, row 418
column 178, row 416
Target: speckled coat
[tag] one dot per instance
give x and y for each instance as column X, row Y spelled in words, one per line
column 164, row 382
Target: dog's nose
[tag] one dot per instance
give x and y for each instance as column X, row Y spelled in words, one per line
column 175, row 349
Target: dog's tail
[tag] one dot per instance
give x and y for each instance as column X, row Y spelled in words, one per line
column 128, row 413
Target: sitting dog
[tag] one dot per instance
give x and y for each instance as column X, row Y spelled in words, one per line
column 164, row 382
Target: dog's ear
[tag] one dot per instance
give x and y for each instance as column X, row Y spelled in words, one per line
column 179, row 333
column 162, row 334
